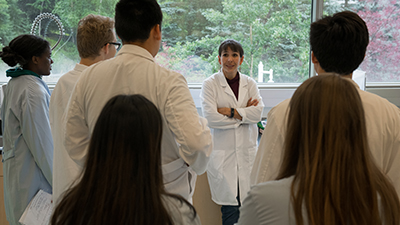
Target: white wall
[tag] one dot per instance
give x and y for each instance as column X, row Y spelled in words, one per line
column 273, row 96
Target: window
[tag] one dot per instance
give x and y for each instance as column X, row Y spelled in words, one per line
column 272, row 32
column 17, row 18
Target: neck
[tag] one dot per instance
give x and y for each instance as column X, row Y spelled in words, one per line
column 321, row 71
column 230, row 76
column 144, row 44
column 90, row 61
column 348, row 76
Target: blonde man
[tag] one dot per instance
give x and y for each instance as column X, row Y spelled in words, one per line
column 96, row 41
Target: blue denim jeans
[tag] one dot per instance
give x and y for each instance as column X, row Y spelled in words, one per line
column 230, row 213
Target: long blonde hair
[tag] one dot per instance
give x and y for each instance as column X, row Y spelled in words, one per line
column 326, row 149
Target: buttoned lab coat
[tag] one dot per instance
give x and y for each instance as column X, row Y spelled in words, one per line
column 235, row 141
column 28, row 145
column 186, row 137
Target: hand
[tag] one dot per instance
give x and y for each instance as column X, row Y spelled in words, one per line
column 252, row 102
column 224, row 111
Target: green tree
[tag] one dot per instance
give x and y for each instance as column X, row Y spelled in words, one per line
column 183, row 20
column 274, row 32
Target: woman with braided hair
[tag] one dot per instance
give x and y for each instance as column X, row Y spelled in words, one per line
column 27, row 142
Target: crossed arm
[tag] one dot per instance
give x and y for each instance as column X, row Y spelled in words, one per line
column 227, row 111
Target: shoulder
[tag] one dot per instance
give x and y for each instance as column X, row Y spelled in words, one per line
column 274, row 190
column 213, row 79
column 35, row 86
column 375, row 101
column 381, row 116
column 267, row 203
column 280, row 109
column 70, row 76
column 67, row 80
column 180, row 212
column 28, row 91
column 247, row 78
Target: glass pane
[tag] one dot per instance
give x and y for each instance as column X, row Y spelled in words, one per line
column 17, row 18
column 381, row 63
column 274, row 33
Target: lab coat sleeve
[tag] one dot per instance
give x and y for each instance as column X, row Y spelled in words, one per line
column 209, row 106
column 190, row 130
column 36, row 130
column 270, row 150
column 76, row 129
column 252, row 114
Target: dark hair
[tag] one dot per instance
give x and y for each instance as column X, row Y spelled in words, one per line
column 134, row 19
column 122, row 182
column 339, row 42
column 326, row 149
column 22, row 48
column 233, row 45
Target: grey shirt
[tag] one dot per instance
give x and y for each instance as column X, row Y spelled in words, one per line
column 269, row 203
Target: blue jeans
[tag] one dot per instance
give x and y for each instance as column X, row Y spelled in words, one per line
column 230, row 213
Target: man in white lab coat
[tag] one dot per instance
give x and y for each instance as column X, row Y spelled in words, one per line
column 96, row 41
column 186, row 141
column 338, row 45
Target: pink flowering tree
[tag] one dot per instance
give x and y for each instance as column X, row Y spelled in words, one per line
column 382, row 61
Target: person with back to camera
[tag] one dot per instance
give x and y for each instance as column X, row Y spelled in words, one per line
column 186, row 143
column 122, row 181
column 96, row 41
column 328, row 175
column 233, row 106
column 28, row 145
column 338, row 45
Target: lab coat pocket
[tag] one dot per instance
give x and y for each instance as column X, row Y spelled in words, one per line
column 8, row 154
column 215, row 166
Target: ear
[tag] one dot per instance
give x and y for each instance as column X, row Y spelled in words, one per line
column 219, row 60
column 157, row 32
column 105, row 49
column 241, row 61
column 313, row 58
column 35, row 60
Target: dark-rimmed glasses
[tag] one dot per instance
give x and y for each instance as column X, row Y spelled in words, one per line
column 117, row 45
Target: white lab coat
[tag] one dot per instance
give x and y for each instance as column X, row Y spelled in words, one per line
column 65, row 170
column 28, row 145
column 186, row 137
column 235, row 141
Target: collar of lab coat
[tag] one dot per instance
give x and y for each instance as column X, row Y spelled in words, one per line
column 80, row 67
column 349, row 79
column 353, row 82
column 222, row 80
column 135, row 50
column 242, row 83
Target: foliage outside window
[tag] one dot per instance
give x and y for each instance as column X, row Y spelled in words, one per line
column 274, row 32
